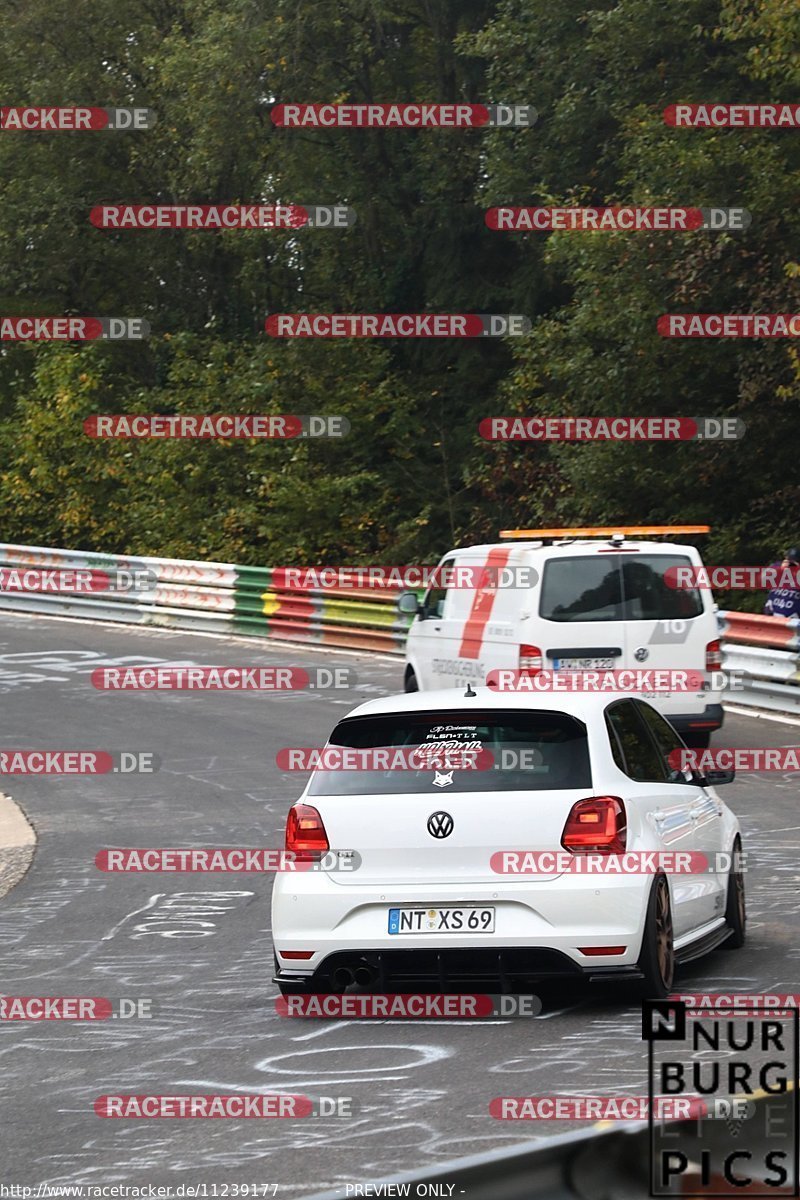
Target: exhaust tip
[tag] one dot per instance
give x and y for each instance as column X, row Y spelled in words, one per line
column 342, row 977
column 364, row 976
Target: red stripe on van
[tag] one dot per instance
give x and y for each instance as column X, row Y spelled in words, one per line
column 482, row 605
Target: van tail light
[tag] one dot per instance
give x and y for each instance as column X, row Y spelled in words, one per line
column 596, row 826
column 714, row 656
column 530, row 660
column 305, row 834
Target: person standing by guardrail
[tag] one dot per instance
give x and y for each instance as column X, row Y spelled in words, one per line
column 785, row 602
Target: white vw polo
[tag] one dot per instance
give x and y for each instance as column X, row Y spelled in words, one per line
column 500, row 838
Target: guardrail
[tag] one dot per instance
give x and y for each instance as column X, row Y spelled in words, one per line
column 215, row 597
column 225, row 598
column 604, row 1163
column 767, row 650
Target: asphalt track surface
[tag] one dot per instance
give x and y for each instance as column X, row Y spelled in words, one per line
column 422, row 1089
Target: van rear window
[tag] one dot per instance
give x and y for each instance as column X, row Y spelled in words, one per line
column 514, row 751
column 616, row 587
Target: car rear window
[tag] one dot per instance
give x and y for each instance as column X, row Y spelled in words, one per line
column 527, row 751
column 616, row 587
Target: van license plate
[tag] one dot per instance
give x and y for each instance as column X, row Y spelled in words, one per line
column 583, row 664
column 441, row 920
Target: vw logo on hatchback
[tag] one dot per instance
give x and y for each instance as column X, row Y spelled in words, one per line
column 641, row 654
column 440, row 824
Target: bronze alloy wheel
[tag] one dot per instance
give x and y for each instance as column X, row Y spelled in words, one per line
column 738, row 883
column 665, row 952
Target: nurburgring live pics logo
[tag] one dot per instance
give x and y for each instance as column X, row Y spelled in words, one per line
column 396, row 325
column 216, row 217
column 219, row 426
column 73, row 329
column 43, row 119
column 404, row 115
column 610, row 429
column 729, row 116
column 620, row 218
column 729, row 325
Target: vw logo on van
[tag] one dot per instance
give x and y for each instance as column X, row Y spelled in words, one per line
column 440, row 824
column 641, row 654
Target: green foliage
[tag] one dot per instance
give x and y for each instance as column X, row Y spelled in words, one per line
column 413, row 477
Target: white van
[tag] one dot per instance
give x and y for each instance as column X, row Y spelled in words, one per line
column 594, row 600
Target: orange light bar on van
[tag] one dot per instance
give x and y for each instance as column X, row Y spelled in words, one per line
column 602, row 530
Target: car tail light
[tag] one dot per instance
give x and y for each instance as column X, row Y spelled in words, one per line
column 714, row 656
column 530, row 659
column 596, row 951
column 305, row 834
column 596, row 826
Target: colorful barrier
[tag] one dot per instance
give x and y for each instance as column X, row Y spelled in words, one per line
column 753, row 629
column 216, row 598
column 351, row 619
column 228, row 599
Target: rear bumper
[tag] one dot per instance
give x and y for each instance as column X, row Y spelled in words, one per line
column 709, row 719
column 541, row 929
column 452, row 969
